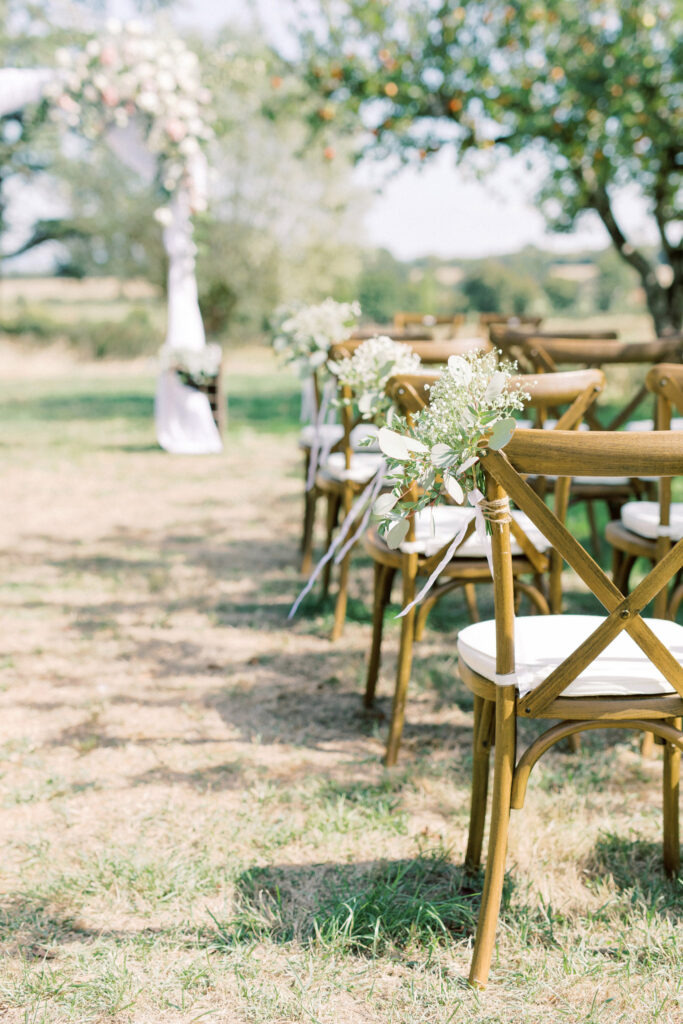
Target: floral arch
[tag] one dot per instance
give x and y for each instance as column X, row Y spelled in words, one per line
column 143, row 94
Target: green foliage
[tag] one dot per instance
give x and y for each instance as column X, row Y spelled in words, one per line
column 562, row 294
column 492, row 287
column 126, row 338
column 593, row 86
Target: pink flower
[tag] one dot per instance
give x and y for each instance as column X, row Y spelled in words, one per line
column 110, row 96
column 175, row 129
column 66, row 103
column 108, row 55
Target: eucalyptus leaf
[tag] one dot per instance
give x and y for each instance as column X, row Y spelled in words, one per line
column 501, row 433
column 394, row 445
column 442, row 455
column 397, row 533
column 495, row 386
column 460, row 369
column 453, row 488
column 384, row 505
column 467, row 464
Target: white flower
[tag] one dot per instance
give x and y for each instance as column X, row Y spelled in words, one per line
column 163, row 216
column 113, row 26
column 367, row 371
column 92, row 48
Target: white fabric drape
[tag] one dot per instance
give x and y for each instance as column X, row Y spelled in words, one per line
column 21, row 86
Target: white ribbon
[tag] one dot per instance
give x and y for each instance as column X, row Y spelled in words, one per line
column 376, row 482
column 319, row 452
column 358, row 504
column 474, row 498
column 308, row 412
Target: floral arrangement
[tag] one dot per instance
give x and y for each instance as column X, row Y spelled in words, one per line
column 194, row 366
column 471, row 408
column 131, row 74
column 304, row 334
column 367, row 371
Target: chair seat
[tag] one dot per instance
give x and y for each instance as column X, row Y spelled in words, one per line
column 330, row 434
column 541, row 644
column 436, row 527
column 364, row 465
column 642, row 517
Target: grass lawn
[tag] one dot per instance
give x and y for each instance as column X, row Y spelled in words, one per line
column 197, row 825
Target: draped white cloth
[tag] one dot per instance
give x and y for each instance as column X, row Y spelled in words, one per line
column 184, row 423
column 21, row 86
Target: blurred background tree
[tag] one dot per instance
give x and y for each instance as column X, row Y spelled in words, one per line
column 593, row 86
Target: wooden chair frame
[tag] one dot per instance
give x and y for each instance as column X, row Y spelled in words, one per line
column 341, row 494
column 665, row 382
column 404, row 320
column 497, row 707
column 546, row 352
column 578, row 390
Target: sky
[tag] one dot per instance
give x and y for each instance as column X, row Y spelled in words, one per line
column 440, row 209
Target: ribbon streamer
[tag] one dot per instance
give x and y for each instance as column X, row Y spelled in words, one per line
column 354, row 511
column 475, row 499
column 319, row 452
column 377, row 481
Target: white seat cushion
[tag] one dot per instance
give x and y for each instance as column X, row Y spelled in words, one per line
column 642, row 517
column 542, row 642
column 328, row 435
column 364, row 465
column 436, row 527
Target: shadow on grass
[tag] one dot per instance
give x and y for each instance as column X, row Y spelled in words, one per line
column 368, row 908
column 636, row 869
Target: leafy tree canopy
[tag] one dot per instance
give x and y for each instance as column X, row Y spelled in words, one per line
column 594, row 85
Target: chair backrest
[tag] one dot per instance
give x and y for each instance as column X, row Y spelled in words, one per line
column 665, row 382
column 548, row 391
column 546, row 354
column 576, row 389
column 414, row 333
column 511, row 320
column 405, row 319
column 570, row 453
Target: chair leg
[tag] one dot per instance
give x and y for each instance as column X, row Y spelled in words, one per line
column 672, row 771
column 342, row 597
column 647, row 745
column 471, row 599
column 481, row 748
column 626, row 564
column 310, row 504
column 500, row 819
column 405, row 662
column 384, row 575
column 333, row 503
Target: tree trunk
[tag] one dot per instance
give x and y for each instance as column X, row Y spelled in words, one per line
column 664, row 302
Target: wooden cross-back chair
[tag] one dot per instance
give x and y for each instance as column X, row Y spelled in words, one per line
column 348, row 469
column 330, row 434
column 533, row 555
column 407, row 319
column 545, row 353
column 647, row 529
column 616, row 670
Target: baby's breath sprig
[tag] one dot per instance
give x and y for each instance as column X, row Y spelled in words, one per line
column 303, row 335
column 367, row 371
column 471, row 407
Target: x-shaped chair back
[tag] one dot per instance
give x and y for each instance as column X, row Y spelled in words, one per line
column 431, row 353
column 665, row 381
column 568, row 454
column 544, row 353
column 577, row 389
